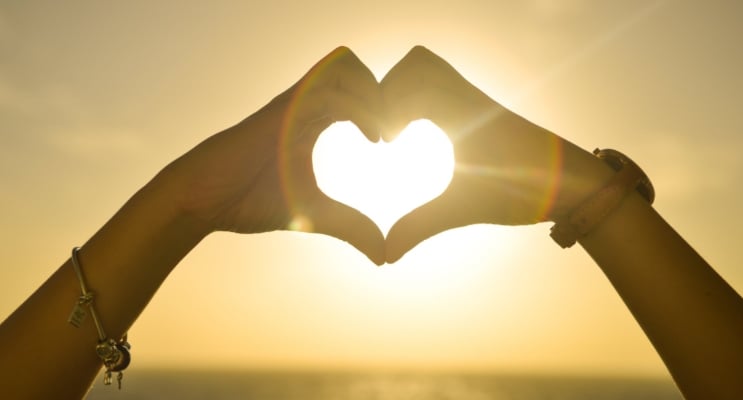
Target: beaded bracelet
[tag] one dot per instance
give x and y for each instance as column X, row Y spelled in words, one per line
column 114, row 353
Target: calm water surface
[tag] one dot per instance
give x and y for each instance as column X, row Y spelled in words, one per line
column 157, row 384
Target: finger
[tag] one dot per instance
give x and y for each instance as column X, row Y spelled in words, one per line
column 362, row 103
column 417, row 226
column 423, row 85
column 298, row 161
column 444, row 108
column 364, row 113
column 403, row 80
column 411, row 91
column 345, row 223
column 343, row 88
column 456, row 207
column 328, row 105
column 427, row 67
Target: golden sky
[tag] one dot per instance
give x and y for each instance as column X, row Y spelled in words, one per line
column 95, row 99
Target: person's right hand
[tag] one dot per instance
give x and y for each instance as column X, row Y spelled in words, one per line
column 508, row 170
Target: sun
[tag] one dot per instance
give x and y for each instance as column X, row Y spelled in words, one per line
column 383, row 180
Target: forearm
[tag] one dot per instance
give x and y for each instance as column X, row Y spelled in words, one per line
column 124, row 263
column 693, row 318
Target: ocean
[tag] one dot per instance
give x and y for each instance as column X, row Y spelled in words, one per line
column 222, row 385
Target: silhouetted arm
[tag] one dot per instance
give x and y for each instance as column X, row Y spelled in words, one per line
column 236, row 180
column 513, row 172
column 44, row 357
column 691, row 315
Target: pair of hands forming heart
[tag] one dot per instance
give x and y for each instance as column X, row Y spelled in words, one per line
column 257, row 176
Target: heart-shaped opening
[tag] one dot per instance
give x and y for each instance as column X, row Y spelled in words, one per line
column 384, row 181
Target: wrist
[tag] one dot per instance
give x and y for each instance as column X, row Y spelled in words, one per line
column 133, row 253
column 582, row 174
column 168, row 198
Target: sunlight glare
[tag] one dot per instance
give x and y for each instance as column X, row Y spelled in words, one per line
column 384, row 181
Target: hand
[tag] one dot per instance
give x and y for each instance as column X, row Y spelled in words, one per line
column 508, row 171
column 257, row 176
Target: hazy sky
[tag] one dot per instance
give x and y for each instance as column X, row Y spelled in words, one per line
column 95, row 99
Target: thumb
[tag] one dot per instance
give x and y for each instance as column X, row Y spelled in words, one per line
column 420, row 224
column 350, row 225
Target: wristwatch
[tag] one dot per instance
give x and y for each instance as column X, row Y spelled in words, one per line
column 629, row 176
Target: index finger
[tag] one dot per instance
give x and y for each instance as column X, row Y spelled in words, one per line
column 424, row 85
column 340, row 87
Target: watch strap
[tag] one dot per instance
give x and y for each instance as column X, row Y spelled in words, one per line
column 567, row 230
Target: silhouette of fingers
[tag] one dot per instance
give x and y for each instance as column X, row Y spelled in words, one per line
column 420, row 224
column 341, row 88
column 333, row 218
column 363, row 112
column 338, row 88
column 423, row 85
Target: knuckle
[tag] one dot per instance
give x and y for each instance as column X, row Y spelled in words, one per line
column 345, row 55
column 343, row 49
column 420, row 49
column 420, row 52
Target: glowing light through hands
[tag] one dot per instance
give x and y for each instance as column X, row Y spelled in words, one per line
column 383, row 180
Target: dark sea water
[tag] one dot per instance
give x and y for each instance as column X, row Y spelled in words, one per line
column 156, row 384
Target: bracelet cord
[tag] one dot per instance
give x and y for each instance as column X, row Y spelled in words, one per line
column 114, row 354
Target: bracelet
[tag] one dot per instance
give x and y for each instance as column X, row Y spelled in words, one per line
column 114, row 353
column 577, row 224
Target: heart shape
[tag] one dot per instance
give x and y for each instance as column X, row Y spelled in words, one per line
column 383, row 180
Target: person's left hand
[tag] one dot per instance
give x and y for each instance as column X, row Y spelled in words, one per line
column 257, row 176
column 509, row 171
